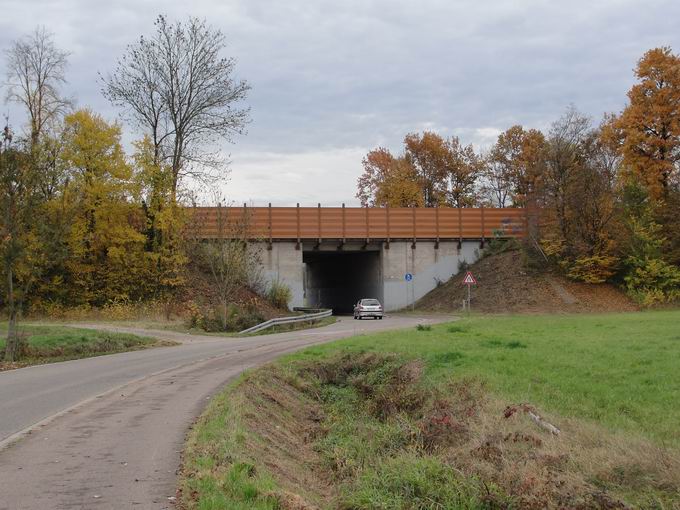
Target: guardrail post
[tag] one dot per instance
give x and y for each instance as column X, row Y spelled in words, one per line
column 287, row 320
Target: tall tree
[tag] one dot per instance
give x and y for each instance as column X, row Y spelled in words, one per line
column 20, row 201
column 165, row 222
column 181, row 91
column 462, row 170
column 578, row 199
column 35, row 72
column 428, row 154
column 517, row 156
column 496, row 178
column 650, row 124
column 106, row 252
column 431, row 172
column 388, row 181
column 563, row 160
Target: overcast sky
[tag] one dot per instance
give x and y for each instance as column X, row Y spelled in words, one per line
column 333, row 79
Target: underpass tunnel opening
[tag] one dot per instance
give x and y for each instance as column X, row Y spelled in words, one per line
column 338, row 279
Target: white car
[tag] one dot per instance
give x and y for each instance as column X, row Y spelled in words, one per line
column 368, row 307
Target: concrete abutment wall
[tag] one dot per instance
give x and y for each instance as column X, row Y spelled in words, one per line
column 337, row 276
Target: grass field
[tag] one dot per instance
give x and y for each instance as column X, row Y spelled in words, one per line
column 428, row 418
column 620, row 370
column 50, row 343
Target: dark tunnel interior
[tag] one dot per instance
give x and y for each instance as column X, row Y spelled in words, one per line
column 338, row 279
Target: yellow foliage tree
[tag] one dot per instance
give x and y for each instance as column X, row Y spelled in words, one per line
column 106, row 260
column 164, row 221
column 388, row 181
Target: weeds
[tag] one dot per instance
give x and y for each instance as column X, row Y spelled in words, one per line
column 513, row 344
column 424, row 327
column 457, row 328
column 351, row 429
column 279, row 295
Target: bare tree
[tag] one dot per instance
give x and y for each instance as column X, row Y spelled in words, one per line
column 564, row 158
column 496, row 181
column 231, row 261
column 180, row 90
column 35, row 72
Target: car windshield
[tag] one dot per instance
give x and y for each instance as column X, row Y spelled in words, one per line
column 370, row 302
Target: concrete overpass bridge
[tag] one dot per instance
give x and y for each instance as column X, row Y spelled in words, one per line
column 333, row 256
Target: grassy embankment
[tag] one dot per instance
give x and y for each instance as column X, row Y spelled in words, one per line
column 422, row 419
column 180, row 326
column 50, row 343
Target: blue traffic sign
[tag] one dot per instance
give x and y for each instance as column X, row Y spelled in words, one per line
column 408, row 277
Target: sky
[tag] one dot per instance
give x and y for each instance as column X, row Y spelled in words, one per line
column 332, row 80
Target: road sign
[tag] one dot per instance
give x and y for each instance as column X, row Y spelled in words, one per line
column 408, row 277
column 469, row 279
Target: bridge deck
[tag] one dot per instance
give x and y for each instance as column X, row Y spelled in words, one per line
column 365, row 223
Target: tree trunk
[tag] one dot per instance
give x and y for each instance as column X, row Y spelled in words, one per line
column 12, row 343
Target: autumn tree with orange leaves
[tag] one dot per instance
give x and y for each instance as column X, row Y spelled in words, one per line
column 650, row 123
column 432, row 171
column 388, row 181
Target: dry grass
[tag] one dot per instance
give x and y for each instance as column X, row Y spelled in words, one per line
column 363, row 431
column 507, row 283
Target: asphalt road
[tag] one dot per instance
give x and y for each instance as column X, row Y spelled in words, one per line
column 107, row 432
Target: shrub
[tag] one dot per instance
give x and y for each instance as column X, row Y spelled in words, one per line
column 279, row 294
column 499, row 244
column 652, row 280
column 594, row 269
column 424, row 327
column 648, row 278
column 212, row 318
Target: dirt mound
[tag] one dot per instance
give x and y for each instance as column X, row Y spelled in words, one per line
column 506, row 283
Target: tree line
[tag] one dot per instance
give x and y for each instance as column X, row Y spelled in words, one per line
column 83, row 222
column 605, row 196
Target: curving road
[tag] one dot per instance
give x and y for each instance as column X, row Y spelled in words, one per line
column 107, row 432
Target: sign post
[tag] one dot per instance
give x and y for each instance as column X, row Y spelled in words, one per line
column 409, row 278
column 469, row 280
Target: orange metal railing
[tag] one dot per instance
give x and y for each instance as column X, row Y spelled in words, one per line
column 365, row 223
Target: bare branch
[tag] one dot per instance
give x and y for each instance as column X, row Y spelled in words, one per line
column 35, row 72
column 178, row 88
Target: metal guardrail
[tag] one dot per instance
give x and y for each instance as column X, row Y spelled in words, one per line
column 287, row 320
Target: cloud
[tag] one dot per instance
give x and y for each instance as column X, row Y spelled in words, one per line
column 327, row 177
column 331, row 76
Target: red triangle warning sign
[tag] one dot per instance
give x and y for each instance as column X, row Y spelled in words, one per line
column 469, row 279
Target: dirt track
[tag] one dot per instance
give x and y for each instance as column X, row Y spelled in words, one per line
column 121, row 449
